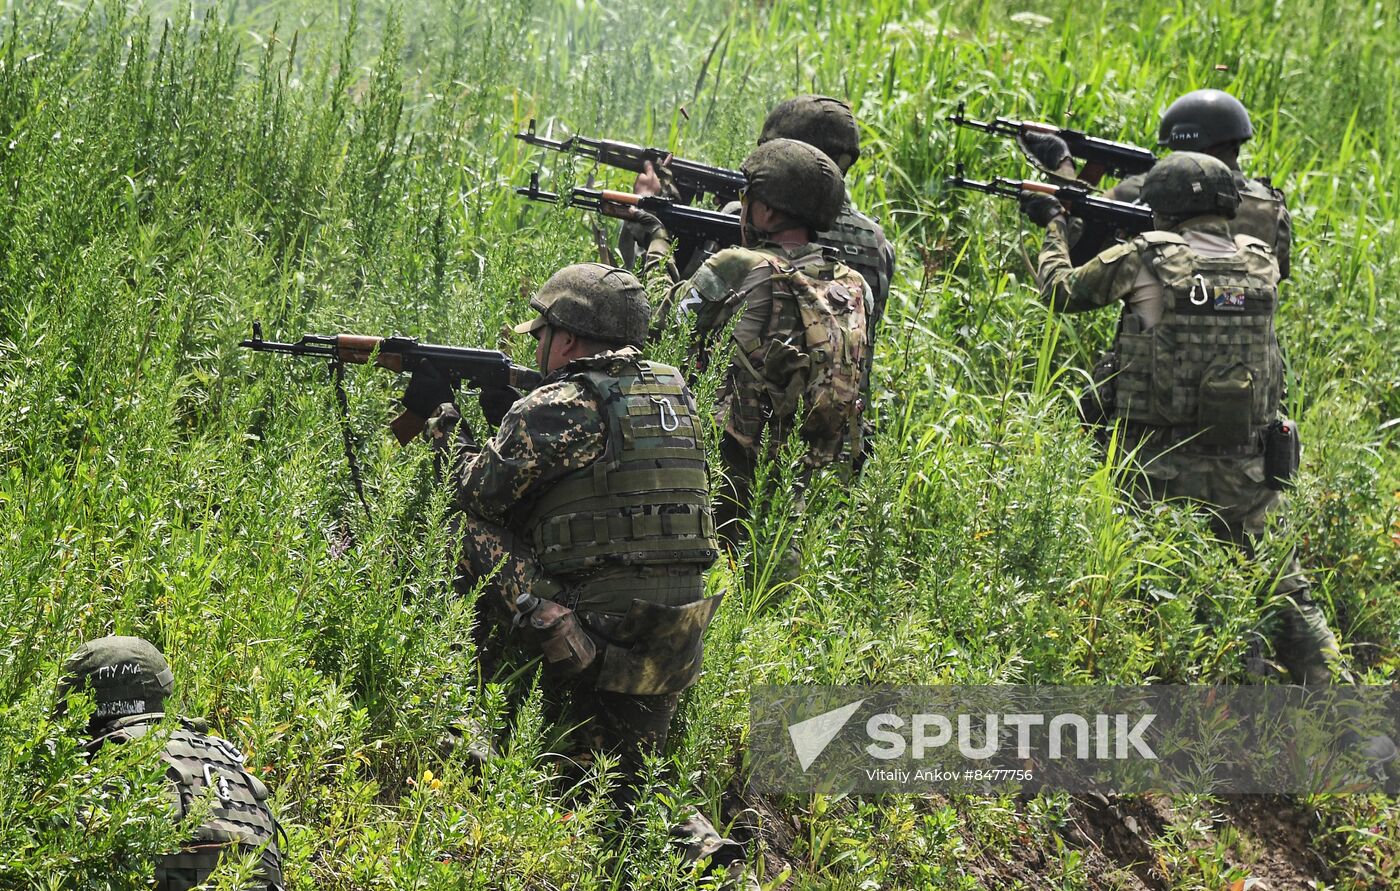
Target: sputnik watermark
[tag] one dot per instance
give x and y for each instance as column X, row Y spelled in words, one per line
column 1159, row 738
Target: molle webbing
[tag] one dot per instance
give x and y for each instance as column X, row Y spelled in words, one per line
column 203, row 765
column 857, row 245
column 646, row 500
column 1212, row 362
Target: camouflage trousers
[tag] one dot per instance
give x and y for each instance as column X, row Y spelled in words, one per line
column 629, row 728
column 1232, row 489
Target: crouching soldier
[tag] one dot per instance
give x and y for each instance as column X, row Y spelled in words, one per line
column 588, row 515
column 129, row 680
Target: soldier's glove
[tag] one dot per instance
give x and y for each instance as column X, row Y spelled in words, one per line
column 427, row 389
column 644, row 229
column 495, row 402
column 1040, row 209
column 1045, row 150
column 556, row 630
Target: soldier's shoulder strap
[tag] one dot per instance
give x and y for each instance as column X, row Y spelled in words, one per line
column 731, row 270
column 1158, row 238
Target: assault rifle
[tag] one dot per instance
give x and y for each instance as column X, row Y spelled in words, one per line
column 1101, row 157
column 686, row 223
column 692, row 179
column 1097, row 212
column 459, row 365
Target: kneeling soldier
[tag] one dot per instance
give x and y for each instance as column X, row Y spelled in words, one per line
column 588, row 513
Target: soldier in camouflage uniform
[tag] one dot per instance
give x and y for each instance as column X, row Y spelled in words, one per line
column 800, row 330
column 588, row 514
column 1214, row 123
column 1199, row 376
column 129, row 680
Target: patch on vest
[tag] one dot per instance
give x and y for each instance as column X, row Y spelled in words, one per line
column 1228, row 299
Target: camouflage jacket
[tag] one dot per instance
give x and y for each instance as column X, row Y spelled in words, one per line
column 547, row 435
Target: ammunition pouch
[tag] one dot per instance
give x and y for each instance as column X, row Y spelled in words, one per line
column 656, row 649
column 1100, row 400
column 568, row 649
column 1226, row 405
column 1283, row 451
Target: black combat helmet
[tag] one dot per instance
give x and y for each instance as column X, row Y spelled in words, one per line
column 797, row 179
column 822, row 121
column 1202, row 119
column 1189, row 184
column 125, row 676
column 593, row 300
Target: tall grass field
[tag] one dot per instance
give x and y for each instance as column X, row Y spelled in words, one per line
column 170, row 173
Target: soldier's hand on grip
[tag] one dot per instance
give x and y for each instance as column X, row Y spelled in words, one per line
column 495, row 402
column 1040, row 208
column 1045, row 150
column 427, row 389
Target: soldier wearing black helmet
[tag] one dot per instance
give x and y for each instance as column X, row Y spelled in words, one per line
column 1196, row 377
column 588, row 518
column 1211, row 122
column 129, row 681
column 800, row 332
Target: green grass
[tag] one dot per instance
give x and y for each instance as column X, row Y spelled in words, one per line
column 167, row 176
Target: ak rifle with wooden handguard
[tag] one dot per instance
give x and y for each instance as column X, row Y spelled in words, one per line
column 1098, row 213
column 1101, row 157
column 476, row 368
column 692, row 179
column 683, row 222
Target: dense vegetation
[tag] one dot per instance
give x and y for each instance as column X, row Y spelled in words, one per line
column 168, row 175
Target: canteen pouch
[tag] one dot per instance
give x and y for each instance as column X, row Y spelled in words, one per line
column 567, row 648
column 1283, row 452
column 657, row 649
column 1226, row 405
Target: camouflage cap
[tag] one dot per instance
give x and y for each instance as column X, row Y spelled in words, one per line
column 822, row 121
column 1204, row 118
column 1188, row 184
column 124, row 675
column 797, row 179
column 593, row 300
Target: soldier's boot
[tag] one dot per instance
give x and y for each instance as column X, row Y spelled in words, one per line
column 701, row 844
column 1304, row 642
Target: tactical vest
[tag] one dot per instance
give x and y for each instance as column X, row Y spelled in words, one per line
column 810, row 348
column 1211, row 367
column 1260, row 213
column 646, row 500
column 857, row 241
column 199, row 765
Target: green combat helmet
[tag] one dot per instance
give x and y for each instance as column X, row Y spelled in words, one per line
column 125, row 676
column 593, row 300
column 797, row 179
column 1188, row 184
column 822, row 121
column 1202, row 119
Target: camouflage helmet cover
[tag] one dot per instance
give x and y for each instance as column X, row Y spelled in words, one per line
column 822, row 121
column 797, row 179
column 1204, row 118
column 593, row 300
column 125, row 676
column 1187, row 184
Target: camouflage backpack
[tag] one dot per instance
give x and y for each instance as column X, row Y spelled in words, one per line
column 812, row 352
